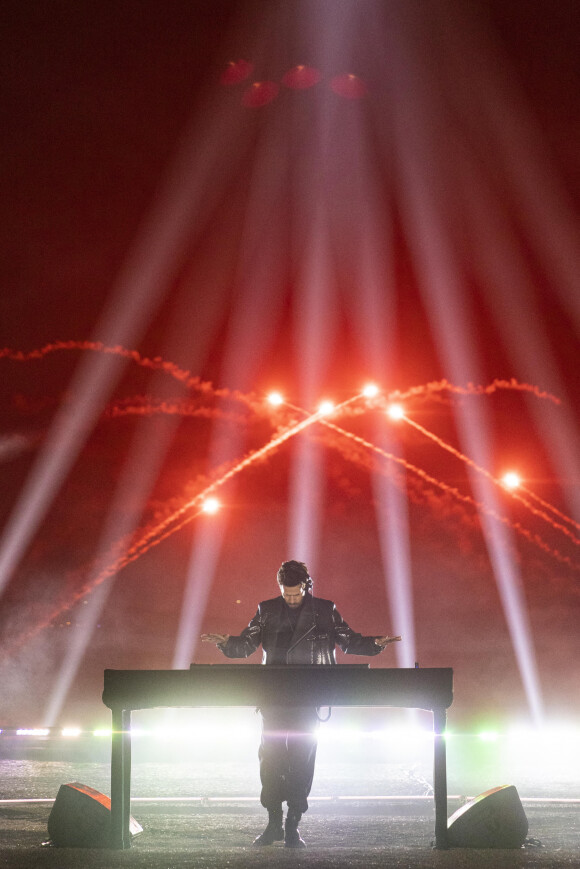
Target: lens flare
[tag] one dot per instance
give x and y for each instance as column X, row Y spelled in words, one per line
column 275, row 399
column 395, row 412
column 371, row 390
column 511, row 480
column 325, row 408
column 211, row 506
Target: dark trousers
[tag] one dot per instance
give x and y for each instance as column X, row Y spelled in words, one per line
column 287, row 756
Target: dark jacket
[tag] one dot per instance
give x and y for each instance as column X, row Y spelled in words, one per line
column 319, row 628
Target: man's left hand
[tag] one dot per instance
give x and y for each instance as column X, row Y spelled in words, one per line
column 384, row 641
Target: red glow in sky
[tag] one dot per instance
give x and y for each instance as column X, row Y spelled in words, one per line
column 349, row 86
column 259, row 94
column 424, row 186
column 301, row 77
column 236, row 72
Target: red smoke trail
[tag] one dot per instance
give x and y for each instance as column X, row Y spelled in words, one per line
column 467, row 499
column 441, row 385
column 158, row 532
column 147, row 406
column 549, row 507
column 255, row 403
column 194, row 382
column 540, row 513
column 471, row 389
column 154, row 535
column 155, row 364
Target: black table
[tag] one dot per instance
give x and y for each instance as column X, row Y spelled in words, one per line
column 222, row 685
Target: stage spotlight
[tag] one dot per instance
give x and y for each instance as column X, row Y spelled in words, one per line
column 210, row 505
column 275, row 399
column 371, row 390
column 71, row 731
column 33, row 731
column 325, row 408
column 395, row 411
column 511, row 480
column 488, row 736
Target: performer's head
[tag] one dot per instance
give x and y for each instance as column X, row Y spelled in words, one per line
column 294, row 581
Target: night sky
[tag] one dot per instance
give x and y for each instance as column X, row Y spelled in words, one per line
column 203, row 202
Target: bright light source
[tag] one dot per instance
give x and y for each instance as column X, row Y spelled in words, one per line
column 202, row 733
column 371, row 390
column 71, row 731
column 325, row 408
column 33, row 731
column 511, row 480
column 405, row 735
column 275, row 399
column 210, row 505
column 553, row 747
column 395, row 411
column 488, row 736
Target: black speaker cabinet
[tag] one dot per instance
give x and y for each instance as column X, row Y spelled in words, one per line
column 81, row 818
column 494, row 819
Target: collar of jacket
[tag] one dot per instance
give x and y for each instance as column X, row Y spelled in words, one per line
column 306, row 622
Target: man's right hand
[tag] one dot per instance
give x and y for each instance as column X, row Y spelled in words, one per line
column 218, row 639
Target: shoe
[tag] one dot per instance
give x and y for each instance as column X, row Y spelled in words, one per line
column 292, row 833
column 274, row 832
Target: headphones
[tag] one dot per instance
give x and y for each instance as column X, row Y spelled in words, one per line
column 307, row 582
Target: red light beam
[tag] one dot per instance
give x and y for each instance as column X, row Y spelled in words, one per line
column 514, row 494
column 459, row 496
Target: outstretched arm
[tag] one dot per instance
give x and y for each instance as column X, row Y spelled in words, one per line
column 218, row 639
column 353, row 643
column 238, row 647
column 384, row 641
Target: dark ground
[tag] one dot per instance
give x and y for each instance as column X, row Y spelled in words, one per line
column 353, row 835
column 205, row 814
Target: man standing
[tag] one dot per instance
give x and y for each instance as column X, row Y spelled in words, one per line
column 293, row 628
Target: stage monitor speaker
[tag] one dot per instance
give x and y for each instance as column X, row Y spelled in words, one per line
column 81, row 818
column 494, row 819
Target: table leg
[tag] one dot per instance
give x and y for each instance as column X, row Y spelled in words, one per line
column 440, row 777
column 121, row 779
